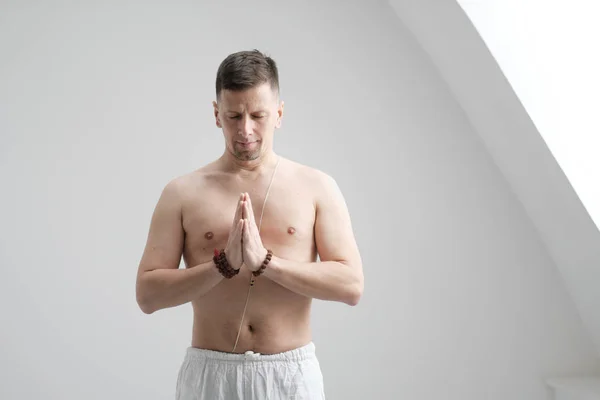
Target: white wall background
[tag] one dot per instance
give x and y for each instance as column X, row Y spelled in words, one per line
column 100, row 105
column 490, row 104
column 548, row 51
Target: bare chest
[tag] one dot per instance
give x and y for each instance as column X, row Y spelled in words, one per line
column 286, row 223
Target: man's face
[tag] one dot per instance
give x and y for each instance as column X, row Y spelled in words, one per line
column 248, row 119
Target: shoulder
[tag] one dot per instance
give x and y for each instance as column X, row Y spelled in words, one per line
column 320, row 183
column 198, row 178
column 181, row 186
column 305, row 172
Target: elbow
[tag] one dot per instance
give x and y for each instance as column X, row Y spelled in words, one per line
column 144, row 304
column 354, row 295
column 143, row 300
column 146, row 307
column 354, row 299
column 355, row 290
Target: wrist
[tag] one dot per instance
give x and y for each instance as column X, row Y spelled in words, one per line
column 274, row 267
column 266, row 260
column 232, row 261
column 223, row 266
column 260, row 258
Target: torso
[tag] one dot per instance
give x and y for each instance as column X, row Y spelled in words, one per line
column 276, row 318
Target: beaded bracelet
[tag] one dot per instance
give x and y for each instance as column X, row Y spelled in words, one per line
column 223, row 265
column 264, row 264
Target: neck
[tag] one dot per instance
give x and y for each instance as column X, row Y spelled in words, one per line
column 252, row 167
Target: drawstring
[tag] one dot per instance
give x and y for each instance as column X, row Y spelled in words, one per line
column 251, row 275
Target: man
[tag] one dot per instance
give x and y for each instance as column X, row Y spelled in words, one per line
column 249, row 226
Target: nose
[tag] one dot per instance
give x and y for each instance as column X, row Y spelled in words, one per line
column 246, row 126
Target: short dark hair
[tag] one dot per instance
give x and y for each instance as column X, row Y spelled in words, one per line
column 246, row 69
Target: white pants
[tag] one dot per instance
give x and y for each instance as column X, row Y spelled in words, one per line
column 214, row 375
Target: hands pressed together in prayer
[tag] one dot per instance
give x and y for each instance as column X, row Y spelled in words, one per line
column 245, row 245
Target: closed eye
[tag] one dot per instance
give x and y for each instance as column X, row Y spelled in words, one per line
column 239, row 116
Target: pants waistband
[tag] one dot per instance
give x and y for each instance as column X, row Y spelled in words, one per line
column 301, row 353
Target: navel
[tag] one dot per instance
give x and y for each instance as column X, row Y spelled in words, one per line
column 209, row 235
column 291, row 230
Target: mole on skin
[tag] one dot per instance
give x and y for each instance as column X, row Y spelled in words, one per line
column 209, row 235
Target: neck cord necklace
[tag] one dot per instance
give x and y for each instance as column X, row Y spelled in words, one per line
column 252, row 276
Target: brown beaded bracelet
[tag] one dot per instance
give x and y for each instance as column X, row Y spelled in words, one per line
column 264, row 264
column 223, row 265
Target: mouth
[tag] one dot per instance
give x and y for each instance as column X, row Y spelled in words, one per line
column 246, row 144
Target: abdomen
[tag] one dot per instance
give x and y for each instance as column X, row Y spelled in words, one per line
column 276, row 319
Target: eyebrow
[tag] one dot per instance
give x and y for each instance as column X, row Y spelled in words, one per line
column 254, row 112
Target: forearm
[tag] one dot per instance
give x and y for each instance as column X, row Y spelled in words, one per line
column 164, row 288
column 326, row 280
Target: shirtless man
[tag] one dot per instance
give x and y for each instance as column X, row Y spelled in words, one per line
column 251, row 334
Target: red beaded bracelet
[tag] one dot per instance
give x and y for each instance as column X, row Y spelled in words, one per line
column 264, row 264
column 223, row 265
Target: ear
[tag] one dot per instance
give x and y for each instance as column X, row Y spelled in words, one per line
column 216, row 112
column 279, row 116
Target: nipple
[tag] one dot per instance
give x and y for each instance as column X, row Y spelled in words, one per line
column 209, row 235
column 291, row 230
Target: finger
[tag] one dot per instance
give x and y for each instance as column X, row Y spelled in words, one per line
column 246, row 231
column 249, row 210
column 236, row 235
column 238, row 210
column 246, row 211
column 239, row 240
column 252, row 220
column 236, row 217
column 240, row 229
column 250, row 233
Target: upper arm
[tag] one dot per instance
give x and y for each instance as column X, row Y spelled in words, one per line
column 164, row 244
column 334, row 235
